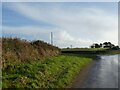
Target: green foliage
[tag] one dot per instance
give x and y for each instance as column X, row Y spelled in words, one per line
column 53, row 72
column 107, row 45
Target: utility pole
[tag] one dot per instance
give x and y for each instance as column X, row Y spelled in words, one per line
column 71, row 46
column 51, row 38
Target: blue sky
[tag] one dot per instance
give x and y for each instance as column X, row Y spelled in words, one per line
column 78, row 24
column 13, row 18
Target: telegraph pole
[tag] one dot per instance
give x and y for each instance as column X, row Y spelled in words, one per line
column 51, row 38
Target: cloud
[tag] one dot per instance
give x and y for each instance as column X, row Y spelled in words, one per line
column 74, row 26
column 61, row 37
column 64, row 39
column 28, row 31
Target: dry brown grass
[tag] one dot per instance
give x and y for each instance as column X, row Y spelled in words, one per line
column 15, row 50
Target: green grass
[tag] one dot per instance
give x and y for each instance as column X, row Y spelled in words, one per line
column 54, row 72
column 83, row 49
column 0, row 79
column 112, row 52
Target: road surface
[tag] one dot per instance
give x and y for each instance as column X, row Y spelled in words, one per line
column 102, row 74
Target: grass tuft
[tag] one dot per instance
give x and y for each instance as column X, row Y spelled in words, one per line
column 54, row 72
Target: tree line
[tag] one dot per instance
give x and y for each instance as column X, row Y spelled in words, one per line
column 108, row 45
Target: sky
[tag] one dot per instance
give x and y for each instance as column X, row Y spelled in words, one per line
column 79, row 24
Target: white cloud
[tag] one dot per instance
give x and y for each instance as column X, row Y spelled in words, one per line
column 77, row 27
column 61, row 37
column 64, row 39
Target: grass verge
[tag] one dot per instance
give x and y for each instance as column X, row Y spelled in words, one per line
column 83, row 49
column 110, row 52
column 54, row 72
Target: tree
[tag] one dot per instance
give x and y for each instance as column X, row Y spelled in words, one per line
column 115, row 48
column 97, row 45
column 112, row 45
column 105, row 44
column 108, row 45
column 92, row 46
column 100, row 45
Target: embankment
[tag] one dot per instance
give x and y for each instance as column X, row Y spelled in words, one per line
column 17, row 51
column 91, row 51
column 54, row 72
column 38, row 65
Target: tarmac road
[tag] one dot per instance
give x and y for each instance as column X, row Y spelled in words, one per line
column 102, row 74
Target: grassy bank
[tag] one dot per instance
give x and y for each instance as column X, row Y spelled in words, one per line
column 90, row 51
column 17, row 51
column 54, row 72
column 112, row 52
column 83, row 49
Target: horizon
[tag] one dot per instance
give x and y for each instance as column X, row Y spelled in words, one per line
column 77, row 24
column 55, row 45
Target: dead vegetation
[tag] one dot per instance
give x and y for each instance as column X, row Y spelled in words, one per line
column 16, row 50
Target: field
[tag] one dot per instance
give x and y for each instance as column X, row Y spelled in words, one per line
column 90, row 51
column 83, row 49
column 53, row 72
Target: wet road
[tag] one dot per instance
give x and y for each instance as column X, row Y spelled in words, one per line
column 104, row 73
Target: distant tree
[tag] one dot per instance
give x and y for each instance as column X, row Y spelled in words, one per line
column 97, row 45
column 67, row 47
column 105, row 44
column 112, row 45
column 115, row 48
column 92, row 46
column 108, row 45
column 100, row 45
